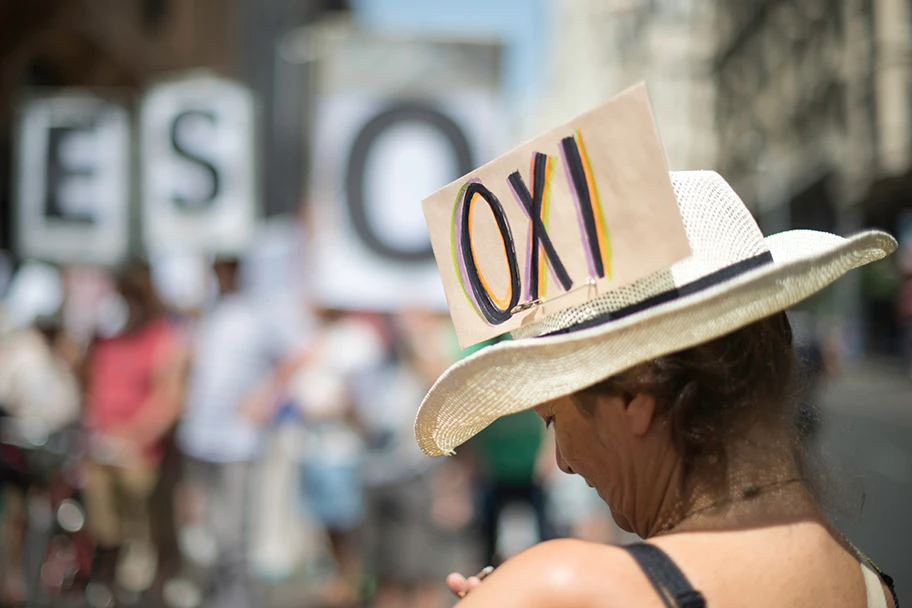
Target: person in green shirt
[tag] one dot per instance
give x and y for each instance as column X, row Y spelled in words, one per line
column 506, row 455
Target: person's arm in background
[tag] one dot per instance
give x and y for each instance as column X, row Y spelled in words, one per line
column 83, row 369
column 291, row 341
column 162, row 406
column 425, row 343
column 260, row 404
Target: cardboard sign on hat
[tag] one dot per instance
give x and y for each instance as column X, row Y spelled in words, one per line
column 580, row 210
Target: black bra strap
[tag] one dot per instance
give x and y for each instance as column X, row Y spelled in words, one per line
column 668, row 580
column 886, row 578
column 888, row 581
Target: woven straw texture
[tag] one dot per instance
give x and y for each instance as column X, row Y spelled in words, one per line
column 513, row 376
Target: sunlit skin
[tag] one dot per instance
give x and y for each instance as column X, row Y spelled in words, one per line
column 613, row 447
column 779, row 547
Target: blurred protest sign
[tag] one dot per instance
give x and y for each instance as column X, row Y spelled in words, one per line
column 199, row 183
column 72, row 178
column 393, row 120
column 588, row 205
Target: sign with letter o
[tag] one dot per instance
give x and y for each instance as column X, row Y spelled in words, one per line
column 389, row 127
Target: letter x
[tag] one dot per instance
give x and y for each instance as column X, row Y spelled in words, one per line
column 532, row 203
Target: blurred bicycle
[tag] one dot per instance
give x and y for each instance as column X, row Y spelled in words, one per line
column 46, row 552
column 55, row 549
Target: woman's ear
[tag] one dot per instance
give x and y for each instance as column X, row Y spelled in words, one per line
column 639, row 411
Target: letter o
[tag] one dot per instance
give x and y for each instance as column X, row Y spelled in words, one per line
column 357, row 161
column 489, row 309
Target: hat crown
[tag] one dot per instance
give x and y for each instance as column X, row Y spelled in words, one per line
column 721, row 232
column 720, row 229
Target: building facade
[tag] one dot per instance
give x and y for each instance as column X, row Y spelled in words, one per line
column 601, row 47
column 814, row 123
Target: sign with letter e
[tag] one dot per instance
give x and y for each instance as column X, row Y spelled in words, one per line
column 586, row 206
column 198, row 165
column 72, row 177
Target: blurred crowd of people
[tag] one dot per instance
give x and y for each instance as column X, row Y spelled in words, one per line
column 196, row 457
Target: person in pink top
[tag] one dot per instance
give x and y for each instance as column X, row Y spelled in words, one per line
column 133, row 385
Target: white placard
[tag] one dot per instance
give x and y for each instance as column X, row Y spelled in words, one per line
column 73, row 178
column 384, row 136
column 198, row 166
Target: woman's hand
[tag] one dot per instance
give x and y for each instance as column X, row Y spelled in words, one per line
column 461, row 586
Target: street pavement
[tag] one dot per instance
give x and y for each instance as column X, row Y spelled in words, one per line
column 867, row 440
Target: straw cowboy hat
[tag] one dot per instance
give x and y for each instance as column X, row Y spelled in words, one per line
column 734, row 277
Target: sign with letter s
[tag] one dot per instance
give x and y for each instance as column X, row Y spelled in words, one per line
column 198, row 165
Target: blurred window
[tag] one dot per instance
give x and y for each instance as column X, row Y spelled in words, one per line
column 672, row 8
column 42, row 72
column 154, row 13
column 336, row 5
column 837, row 21
column 908, row 22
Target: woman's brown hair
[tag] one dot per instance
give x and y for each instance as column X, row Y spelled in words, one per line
column 713, row 392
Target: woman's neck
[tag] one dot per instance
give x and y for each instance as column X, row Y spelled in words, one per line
column 763, row 485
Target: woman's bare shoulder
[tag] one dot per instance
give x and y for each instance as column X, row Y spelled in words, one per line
column 563, row 573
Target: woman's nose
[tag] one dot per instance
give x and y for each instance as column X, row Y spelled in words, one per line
column 561, row 463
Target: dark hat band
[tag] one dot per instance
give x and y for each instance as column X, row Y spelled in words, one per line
column 714, row 278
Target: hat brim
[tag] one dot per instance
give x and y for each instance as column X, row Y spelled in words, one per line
column 517, row 375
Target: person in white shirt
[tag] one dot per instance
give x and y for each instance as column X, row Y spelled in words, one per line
column 237, row 374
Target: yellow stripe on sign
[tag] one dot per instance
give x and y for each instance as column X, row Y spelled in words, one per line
column 600, row 226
